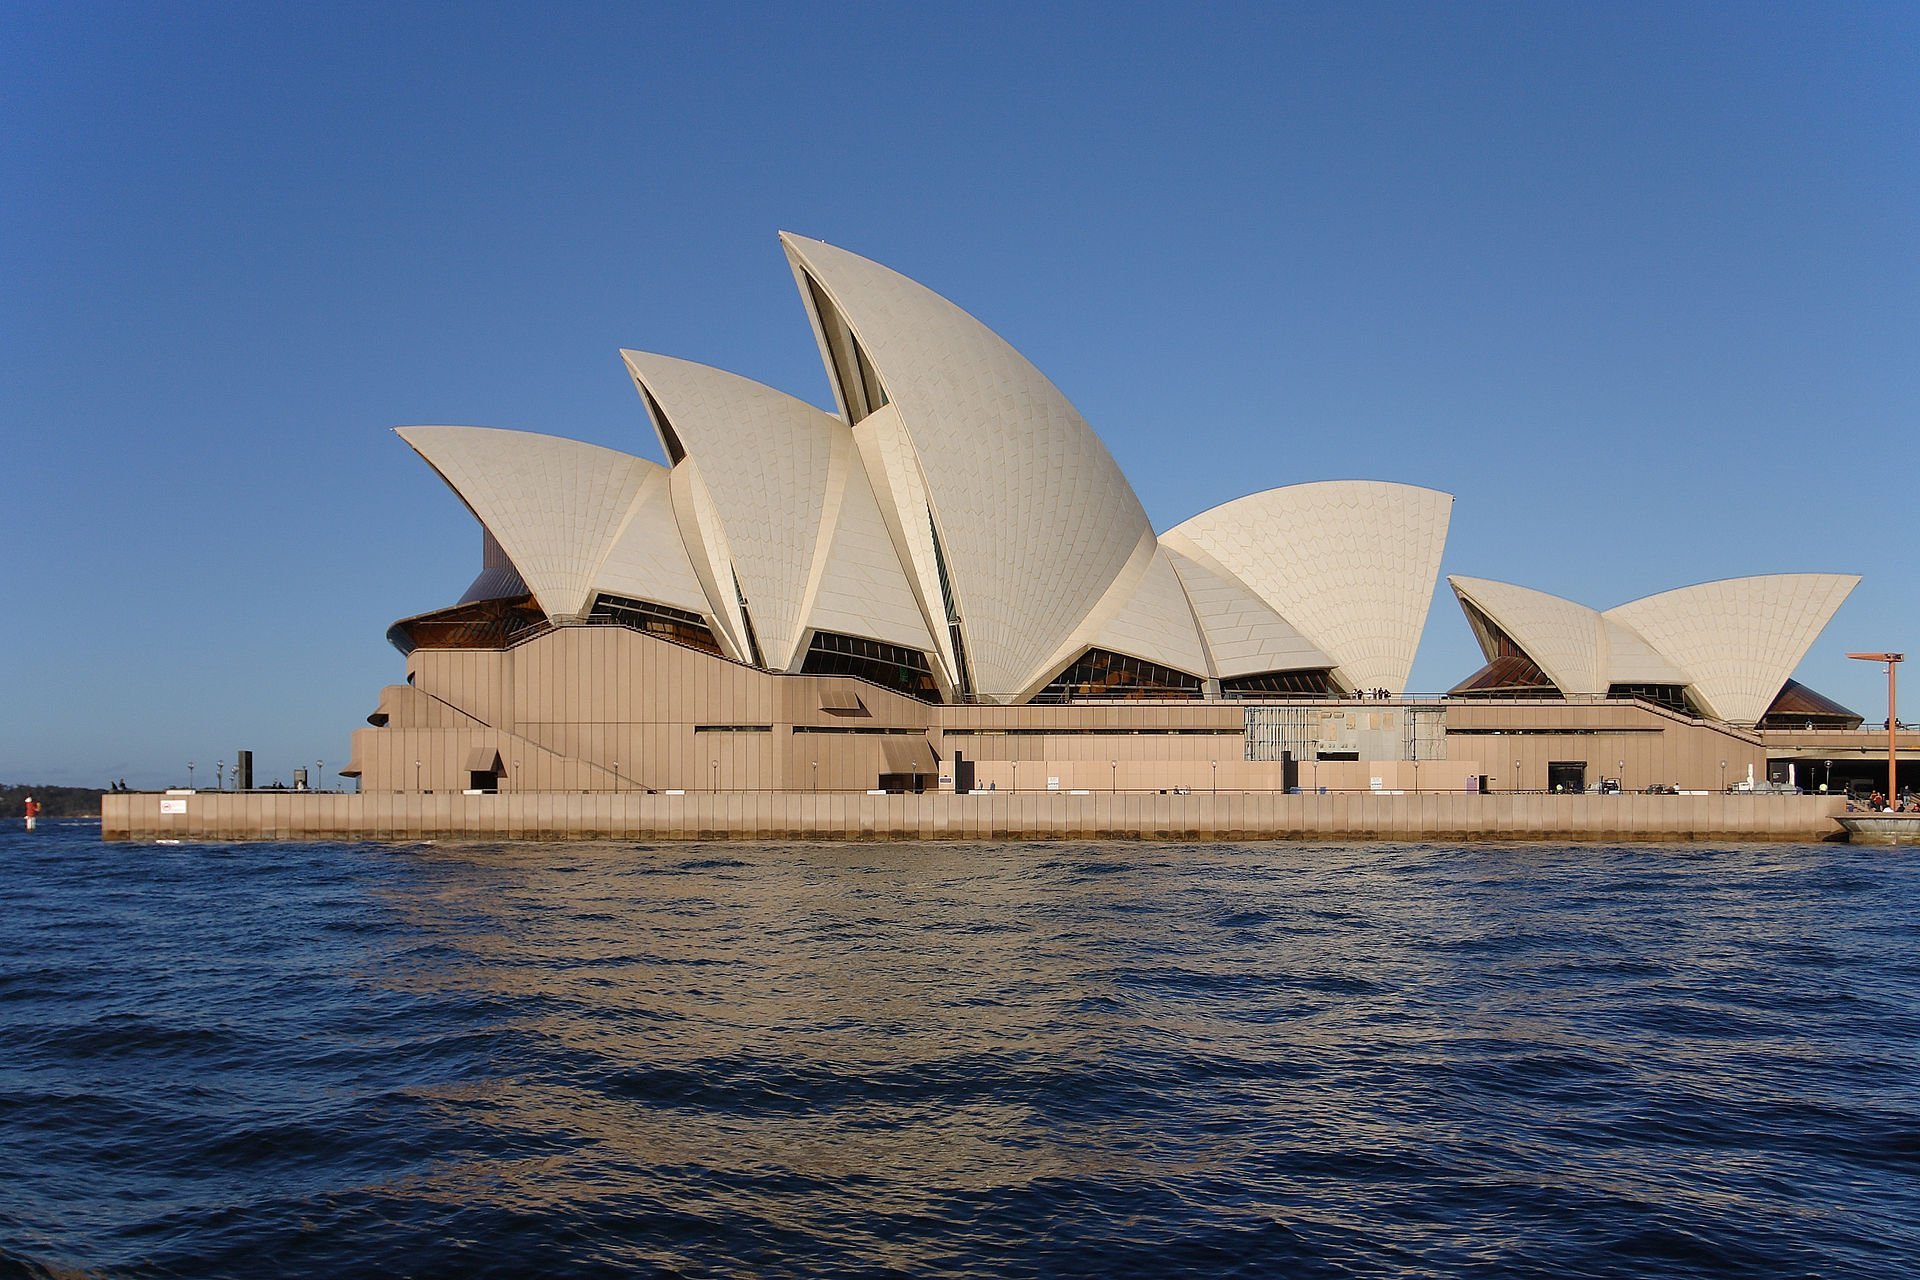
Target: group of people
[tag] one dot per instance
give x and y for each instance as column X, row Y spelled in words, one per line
column 117, row 786
column 1877, row 803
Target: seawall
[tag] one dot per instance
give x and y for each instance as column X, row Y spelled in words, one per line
column 560, row 815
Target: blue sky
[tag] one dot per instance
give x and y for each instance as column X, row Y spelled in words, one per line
column 1638, row 283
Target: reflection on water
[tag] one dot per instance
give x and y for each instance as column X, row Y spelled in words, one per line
column 960, row 1059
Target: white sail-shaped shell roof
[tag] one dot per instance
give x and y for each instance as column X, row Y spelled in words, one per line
column 1034, row 518
column 1631, row 660
column 1350, row 563
column 1564, row 639
column 553, row 505
column 647, row 560
column 766, row 459
column 861, row 588
column 1739, row 639
column 1243, row 636
column 1154, row 620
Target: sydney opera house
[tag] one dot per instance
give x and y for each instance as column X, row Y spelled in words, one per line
column 948, row 583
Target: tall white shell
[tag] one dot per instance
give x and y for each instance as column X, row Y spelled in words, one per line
column 1034, row 518
column 1350, row 563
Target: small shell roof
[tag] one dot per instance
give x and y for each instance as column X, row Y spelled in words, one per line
column 1243, row 636
column 555, row 506
column 1351, row 564
column 1739, row 639
column 1733, row 643
column 1564, row 639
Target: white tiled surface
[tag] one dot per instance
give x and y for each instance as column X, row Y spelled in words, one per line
column 647, row 560
column 554, row 505
column 1563, row 638
column 1243, row 635
column 1350, row 563
column 765, row 457
column 705, row 539
column 1155, row 622
column 900, row 493
column 1631, row 660
column 862, row 589
column 1739, row 639
column 1035, row 517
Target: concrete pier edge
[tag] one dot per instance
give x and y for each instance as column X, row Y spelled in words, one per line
column 1121, row 816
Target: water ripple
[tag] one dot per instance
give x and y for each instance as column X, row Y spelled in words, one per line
column 957, row 1060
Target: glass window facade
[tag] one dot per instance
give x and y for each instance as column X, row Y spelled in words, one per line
column 1100, row 675
column 888, row 665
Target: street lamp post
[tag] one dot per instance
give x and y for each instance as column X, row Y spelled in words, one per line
column 1621, row 777
column 816, row 776
column 1516, row 777
column 716, row 777
column 189, row 775
column 616, row 775
column 220, row 776
column 1113, row 778
column 416, row 775
column 1723, row 777
column 319, row 768
column 1215, row 764
column 1893, row 660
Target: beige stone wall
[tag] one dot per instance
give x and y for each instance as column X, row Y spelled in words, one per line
column 608, row 709
column 1656, row 746
column 996, row 816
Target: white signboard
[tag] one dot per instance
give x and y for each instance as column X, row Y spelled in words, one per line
column 173, row 806
column 1053, row 784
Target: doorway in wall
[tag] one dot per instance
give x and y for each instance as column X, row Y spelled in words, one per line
column 1568, row 776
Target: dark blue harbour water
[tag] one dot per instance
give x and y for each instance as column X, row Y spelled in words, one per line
column 957, row 1060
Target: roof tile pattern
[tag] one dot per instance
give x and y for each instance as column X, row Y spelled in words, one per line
column 647, row 560
column 1155, row 622
column 862, row 590
column 1243, row 635
column 1631, row 660
column 554, row 505
column 1564, row 639
column 900, row 492
column 1350, row 563
column 1739, row 639
column 765, row 457
column 1034, row 516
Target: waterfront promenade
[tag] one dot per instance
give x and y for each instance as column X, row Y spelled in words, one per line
column 560, row 815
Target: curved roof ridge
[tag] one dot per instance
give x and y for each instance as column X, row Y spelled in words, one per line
column 1035, row 519
column 1738, row 639
column 1351, row 563
column 1242, row 633
column 554, row 505
column 1565, row 639
column 766, row 458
